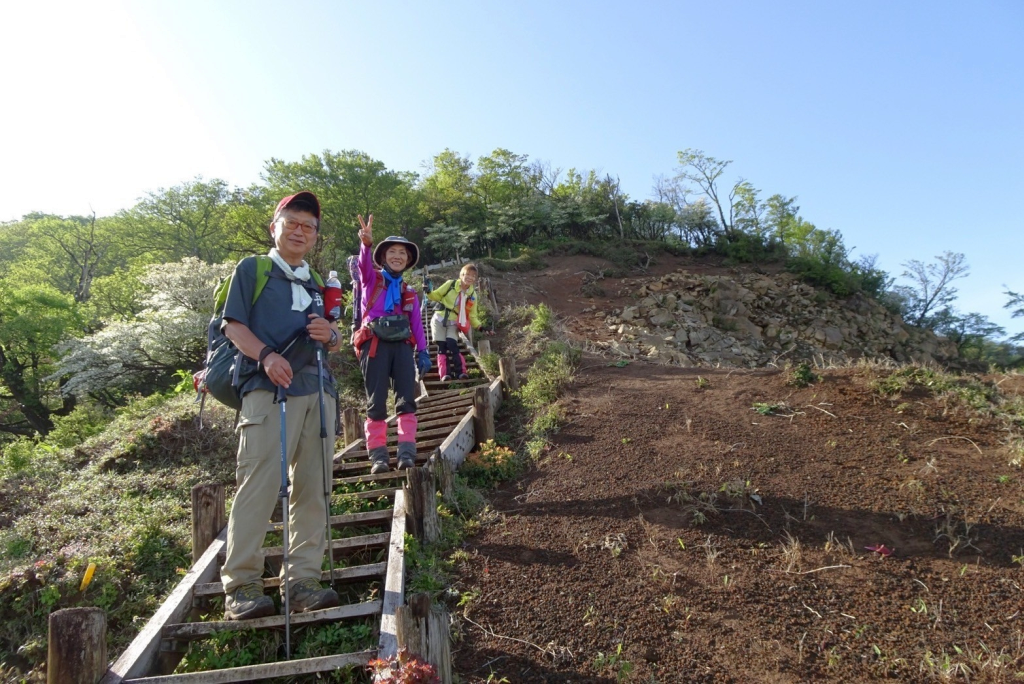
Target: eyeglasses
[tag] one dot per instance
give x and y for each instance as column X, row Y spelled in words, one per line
column 292, row 224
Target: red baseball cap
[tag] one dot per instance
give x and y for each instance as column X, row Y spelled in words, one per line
column 305, row 197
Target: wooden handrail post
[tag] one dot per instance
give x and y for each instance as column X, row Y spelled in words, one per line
column 509, row 376
column 426, row 524
column 423, row 630
column 352, row 426
column 483, row 347
column 209, row 515
column 483, row 414
column 77, row 648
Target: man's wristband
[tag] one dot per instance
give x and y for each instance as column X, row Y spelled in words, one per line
column 267, row 351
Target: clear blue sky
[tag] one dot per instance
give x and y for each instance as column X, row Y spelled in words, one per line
column 900, row 124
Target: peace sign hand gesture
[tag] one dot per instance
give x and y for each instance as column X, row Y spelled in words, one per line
column 366, row 230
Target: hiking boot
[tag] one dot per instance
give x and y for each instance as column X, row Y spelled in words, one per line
column 379, row 459
column 463, row 376
column 446, row 378
column 248, row 602
column 406, row 455
column 309, row 594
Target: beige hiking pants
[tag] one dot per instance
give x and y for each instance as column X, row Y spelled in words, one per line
column 258, row 477
column 439, row 332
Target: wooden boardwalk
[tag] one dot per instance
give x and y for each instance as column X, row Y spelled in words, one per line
column 452, row 417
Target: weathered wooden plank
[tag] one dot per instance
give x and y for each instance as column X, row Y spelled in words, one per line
column 483, row 415
column 137, row 660
column 356, row 572
column 348, row 520
column 394, row 581
column 76, row 646
column 423, row 445
column 459, row 442
column 379, row 477
column 422, row 434
column 192, row 631
column 255, row 672
column 363, row 541
column 496, row 395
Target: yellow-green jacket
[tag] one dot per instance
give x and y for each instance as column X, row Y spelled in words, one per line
column 447, row 294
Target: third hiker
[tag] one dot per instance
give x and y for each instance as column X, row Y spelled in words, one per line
column 456, row 314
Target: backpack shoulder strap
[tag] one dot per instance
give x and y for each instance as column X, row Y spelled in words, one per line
column 316, row 277
column 264, row 264
column 378, row 289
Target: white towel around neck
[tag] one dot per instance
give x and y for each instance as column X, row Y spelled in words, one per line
column 300, row 298
column 462, row 307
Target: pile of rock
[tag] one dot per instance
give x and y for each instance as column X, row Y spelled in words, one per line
column 754, row 319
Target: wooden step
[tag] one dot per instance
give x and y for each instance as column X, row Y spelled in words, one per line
column 366, row 541
column 347, row 520
column 353, row 574
column 356, row 466
column 250, row 673
column 191, row 631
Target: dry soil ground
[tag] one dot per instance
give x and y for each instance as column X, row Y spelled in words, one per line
column 672, row 533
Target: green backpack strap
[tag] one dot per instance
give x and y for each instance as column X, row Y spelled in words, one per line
column 264, row 264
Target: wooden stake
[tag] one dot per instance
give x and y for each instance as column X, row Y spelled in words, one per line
column 423, row 630
column 422, row 492
column 353, row 427
column 444, row 476
column 77, row 650
column 507, row 366
column 483, row 347
column 483, row 414
column 209, row 515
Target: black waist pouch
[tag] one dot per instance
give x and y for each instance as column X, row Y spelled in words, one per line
column 394, row 328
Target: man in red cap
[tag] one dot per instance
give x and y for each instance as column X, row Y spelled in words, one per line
column 287, row 313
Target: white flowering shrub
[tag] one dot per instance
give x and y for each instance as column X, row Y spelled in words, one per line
column 170, row 333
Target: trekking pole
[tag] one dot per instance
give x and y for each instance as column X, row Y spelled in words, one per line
column 282, row 399
column 328, row 460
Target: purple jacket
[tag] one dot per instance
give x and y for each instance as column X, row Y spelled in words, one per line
column 368, row 276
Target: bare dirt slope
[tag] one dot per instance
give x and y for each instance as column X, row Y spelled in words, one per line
column 672, row 533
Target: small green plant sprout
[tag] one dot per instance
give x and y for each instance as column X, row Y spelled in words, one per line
column 615, row 663
column 767, row 408
column 832, row 444
column 1003, row 479
column 802, row 376
column 590, row 617
column 626, row 440
column 703, row 383
column 1019, row 559
column 682, row 544
column 566, row 455
column 901, row 407
column 919, row 606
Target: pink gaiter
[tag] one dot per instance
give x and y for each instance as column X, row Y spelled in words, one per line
column 376, row 433
column 442, row 365
column 407, row 427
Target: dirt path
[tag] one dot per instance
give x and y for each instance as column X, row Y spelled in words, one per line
column 674, row 534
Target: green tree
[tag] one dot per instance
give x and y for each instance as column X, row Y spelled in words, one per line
column 34, row 317
column 184, row 221
column 969, row 332
column 347, row 183
column 931, row 288
column 1015, row 300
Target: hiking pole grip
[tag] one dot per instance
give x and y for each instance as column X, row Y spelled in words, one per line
column 282, row 399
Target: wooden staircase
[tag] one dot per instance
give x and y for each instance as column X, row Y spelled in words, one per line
column 450, row 417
